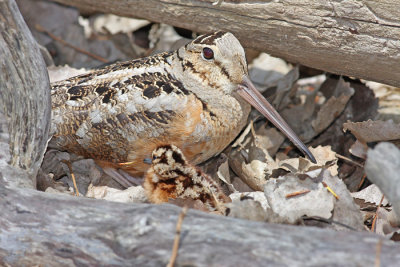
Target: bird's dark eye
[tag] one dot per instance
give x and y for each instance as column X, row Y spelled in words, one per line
column 208, row 53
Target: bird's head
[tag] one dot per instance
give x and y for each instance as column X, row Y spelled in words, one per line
column 217, row 61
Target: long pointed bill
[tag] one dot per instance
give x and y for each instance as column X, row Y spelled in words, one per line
column 249, row 92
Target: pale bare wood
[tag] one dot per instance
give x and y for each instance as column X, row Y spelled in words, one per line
column 359, row 38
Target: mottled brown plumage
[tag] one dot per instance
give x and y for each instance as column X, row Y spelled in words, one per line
column 196, row 98
column 171, row 176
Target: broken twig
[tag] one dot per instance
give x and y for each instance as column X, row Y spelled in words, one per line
column 69, row 165
column 298, row 193
column 330, row 190
column 349, row 160
column 373, row 226
column 177, row 237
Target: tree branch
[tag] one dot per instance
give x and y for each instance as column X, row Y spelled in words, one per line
column 46, row 229
column 359, row 38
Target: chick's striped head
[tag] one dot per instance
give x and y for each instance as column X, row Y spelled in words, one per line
column 168, row 161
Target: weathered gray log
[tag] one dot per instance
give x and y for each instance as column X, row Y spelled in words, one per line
column 53, row 230
column 24, row 92
column 359, row 38
column 382, row 167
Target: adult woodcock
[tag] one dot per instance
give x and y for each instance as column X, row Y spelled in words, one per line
column 197, row 98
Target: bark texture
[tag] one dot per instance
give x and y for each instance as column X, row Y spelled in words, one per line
column 359, row 38
column 24, row 91
column 54, row 230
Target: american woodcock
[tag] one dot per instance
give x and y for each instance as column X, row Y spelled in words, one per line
column 196, row 98
column 171, row 176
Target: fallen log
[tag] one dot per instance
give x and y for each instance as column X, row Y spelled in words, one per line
column 24, row 93
column 359, row 38
column 54, row 230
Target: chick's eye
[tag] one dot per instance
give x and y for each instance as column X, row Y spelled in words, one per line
column 208, row 53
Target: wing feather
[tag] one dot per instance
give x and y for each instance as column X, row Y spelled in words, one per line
column 100, row 114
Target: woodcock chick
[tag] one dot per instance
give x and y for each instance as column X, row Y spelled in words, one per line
column 171, row 176
column 196, row 98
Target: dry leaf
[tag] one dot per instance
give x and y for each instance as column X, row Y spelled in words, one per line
column 318, row 202
column 389, row 100
column 370, row 194
column 386, row 223
column 284, row 87
column 112, row 24
column 251, row 206
column 382, row 168
column 333, row 107
column 134, row 194
column 309, row 118
column 247, row 209
column 254, row 174
column 359, row 149
column 326, row 158
column 163, row 38
column 223, row 175
column 256, row 196
column 373, row 131
column 345, row 211
column 265, row 71
column 255, row 167
column 240, row 186
column 63, row 72
column 269, row 138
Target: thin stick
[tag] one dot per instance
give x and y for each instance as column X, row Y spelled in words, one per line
column 362, row 181
column 330, row 190
column 349, row 160
column 69, row 165
column 177, row 237
column 253, row 132
column 376, row 215
column 58, row 39
column 329, row 221
column 378, row 253
column 298, row 193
